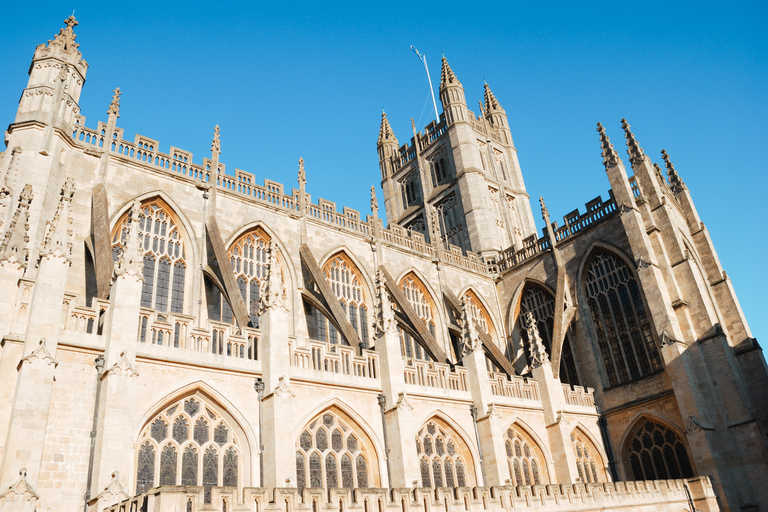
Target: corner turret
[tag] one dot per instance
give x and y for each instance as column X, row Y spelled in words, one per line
column 452, row 95
column 387, row 147
column 494, row 113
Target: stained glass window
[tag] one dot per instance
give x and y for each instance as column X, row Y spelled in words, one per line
column 229, row 470
column 522, row 457
column 624, row 335
column 159, row 430
column 362, row 472
column 168, row 460
column 145, row 474
column 161, row 242
column 301, row 471
column 189, row 466
column 585, row 452
column 442, row 465
column 315, row 471
column 180, row 429
column 210, row 471
column 657, row 452
column 201, row 431
column 425, row 473
column 336, row 441
column 347, row 473
column 221, row 434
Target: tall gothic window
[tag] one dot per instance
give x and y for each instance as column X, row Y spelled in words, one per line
column 483, row 322
column 622, row 325
column 164, row 263
column 188, row 443
column 410, row 189
column 439, row 171
column 346, row 283
column 588, row 461
column 332, row 454
column 541, row 303
column 524, row 458
column 657, row 453
column 420, row 300
column 452, row 222
column 444, row 459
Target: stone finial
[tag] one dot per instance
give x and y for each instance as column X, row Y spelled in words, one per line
column 302, row 173
column 674, row 179
column 634, row 150
column 538, row 354
column 14, row 247
column 374, row 201
column 470, row 336
column 272, row 291
column 58, row 231
column 131, row 261
column 491, row 104
column 447, row 76
column 544, row 211
column 659, row 174
column 385, row 316
column 216, row 144
column 610, row 156
column 114, row 107
column 385, row 131
column 65, row 39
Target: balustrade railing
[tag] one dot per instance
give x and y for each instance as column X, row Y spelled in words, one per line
column 435, row 375
column 333, row 358
column 579, row 396
column 515, row 387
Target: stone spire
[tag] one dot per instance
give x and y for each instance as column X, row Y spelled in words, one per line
column 470, row 336
column 634, row 150
column 674, row 179
column 491, row 104
column 610, row 156
column 538, row 354
column 114, row 107
column 302, row 172
column 65, row 39
column 447, row 76
column 216, row 144
column 385, row 131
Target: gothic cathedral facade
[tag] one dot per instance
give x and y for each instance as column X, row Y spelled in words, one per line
column 177, row 337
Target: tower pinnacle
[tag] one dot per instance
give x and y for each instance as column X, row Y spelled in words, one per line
column 674, row 179
column 610, row 157
column 216, row 144
column 634, row 150
column 114, row 107
column 65, row 39
column 302, row 172
column 447, row 77
column 385, row 131
column 491, row 104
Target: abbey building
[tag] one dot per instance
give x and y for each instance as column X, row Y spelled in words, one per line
column 179, row 337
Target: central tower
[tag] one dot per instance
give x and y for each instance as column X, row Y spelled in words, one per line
column 460, row 179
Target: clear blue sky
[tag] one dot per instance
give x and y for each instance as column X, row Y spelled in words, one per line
column 288, row 80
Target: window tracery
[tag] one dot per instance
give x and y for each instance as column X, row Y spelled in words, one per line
column 421, row 301
column 177, row 459
column 330, row 464
column 623, row 329
column 657, row 452
column 588, row 461
column 523, row 460
column 441, row 457
column 541, row 303
column 483, row 322
column 164, row 260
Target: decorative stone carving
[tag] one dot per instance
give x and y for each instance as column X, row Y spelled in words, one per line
column 283, row 388
column 385, row 315
column 19, row 491
column 41, row 353
column 272, row 288
column 58, row 231
column 667, row 340
column 493, row 413
column 538, row 354
column 675, row 183
column 374, row 201
column 634, row 150
column 130, row 262
column 114, row 107
column 14, row 247
column 65, row 39
column 114, row 492
column 642, row 264
column 123, row 366
column 302, row 172
column 470, row 336
column 216, row 144
column 403, row 404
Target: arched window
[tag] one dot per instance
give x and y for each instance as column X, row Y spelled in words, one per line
column 421, row 301
column 439, row 171
column 541, row 303
column 164, row 264
column 588, row 461
column 524, row 458
column 337, row 453
column 346, row 283
column 656, row 452
column 483, row 322
column 443, row 456
column 623, row 328
column 171, row 456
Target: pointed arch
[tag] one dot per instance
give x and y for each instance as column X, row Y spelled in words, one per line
column 521, row 446
column 422, row 301
column 347, row 447
column 620, row 319
column 484, row 310
column 442, row 446
column 590, row 456
column 355, row 261
column 653, row 447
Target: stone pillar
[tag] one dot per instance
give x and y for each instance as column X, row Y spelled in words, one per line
column 553, row 402
column 400, row 431
column 490, row 433
column 115, row 444
column 277, row 404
